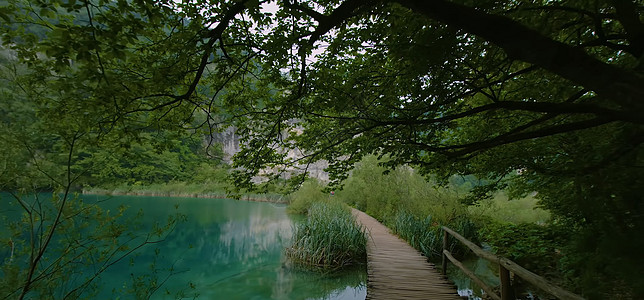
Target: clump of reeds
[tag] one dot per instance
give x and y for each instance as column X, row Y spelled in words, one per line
column 419, row 233
column 426, row 235
column 329, row 239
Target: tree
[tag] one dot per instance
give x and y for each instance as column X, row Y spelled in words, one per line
column 57, row 244
column 539, row 96
column 535, row 96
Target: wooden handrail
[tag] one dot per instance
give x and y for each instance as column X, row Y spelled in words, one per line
column 469, row 273
column 509, row 265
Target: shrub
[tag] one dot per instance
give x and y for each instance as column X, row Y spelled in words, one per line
column 533, row 246
column 310, row 192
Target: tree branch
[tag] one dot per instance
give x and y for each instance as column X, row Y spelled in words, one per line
column 508, row 139
column 214, row 35
column 622, row 86
column 627, row 14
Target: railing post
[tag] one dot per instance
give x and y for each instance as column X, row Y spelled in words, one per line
column 507, row 292
column 444, row 263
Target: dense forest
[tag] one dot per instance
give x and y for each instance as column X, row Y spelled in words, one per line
column 540, row 98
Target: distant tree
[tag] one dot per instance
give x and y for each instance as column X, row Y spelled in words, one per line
column 541, row 96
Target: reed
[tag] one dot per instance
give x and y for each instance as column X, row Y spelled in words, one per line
column 329, row 239
column 425, row 234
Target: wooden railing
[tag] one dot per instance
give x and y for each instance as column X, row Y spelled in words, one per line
column 505, row 267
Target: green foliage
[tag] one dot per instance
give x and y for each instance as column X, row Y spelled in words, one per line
column 152, row 158
column 209, row 173
column 536, row 247
column 172, row 188
column 329, row 239
column 582, row 267
column 55, row 141
column 421, row 234
column 382, row 194
column 309, row 193
column 515, row 211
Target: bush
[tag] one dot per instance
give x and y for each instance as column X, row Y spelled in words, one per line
column 329, row 239
column 535, row 247
column 517, row 211
column 310, row 192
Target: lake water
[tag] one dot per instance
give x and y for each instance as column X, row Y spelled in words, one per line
column 227, row 249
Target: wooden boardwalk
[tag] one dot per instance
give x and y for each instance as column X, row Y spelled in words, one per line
column 395, row 270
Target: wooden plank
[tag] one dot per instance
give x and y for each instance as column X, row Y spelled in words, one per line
column 395, row 270
column 507, row 293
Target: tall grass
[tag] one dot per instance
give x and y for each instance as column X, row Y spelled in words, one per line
column 421, row 234
column 329, row 239
column 426, row 235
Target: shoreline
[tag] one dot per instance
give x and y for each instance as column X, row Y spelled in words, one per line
column 278, row 199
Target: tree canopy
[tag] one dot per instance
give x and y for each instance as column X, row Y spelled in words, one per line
column 533, row 96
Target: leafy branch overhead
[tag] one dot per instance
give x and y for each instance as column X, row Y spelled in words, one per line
column 423, row 83
column 404, row 73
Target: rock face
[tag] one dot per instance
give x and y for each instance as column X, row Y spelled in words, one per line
column 230, row 144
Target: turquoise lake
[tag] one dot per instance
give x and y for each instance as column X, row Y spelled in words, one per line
column 226, row 249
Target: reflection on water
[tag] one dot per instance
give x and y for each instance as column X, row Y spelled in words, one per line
column 228, row 250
